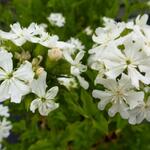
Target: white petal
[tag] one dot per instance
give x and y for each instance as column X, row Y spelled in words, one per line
column 113, row 110
column 115, row 72
column 108, row 83
column 125, row 82
column 4, row 90
column 104, row 96
column 135, row 76
column 83, row 82
column 47, row 107
column 35, row 104
column 17, row 90
column 24, row 72
column 68, row 57
column 147, row 117
column 51, row 93
column 101, row 94
column 38, row 86
column 6, row 61
column 134, row 98
column 19, row 41
column 141, row 20
column 3, row 74
column 16, row 28
column 79, row 56
column 140, row 117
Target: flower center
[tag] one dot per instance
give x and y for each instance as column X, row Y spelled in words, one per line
column 43, row 99
column 9, row 75
column 119, row 93
column 128, row 61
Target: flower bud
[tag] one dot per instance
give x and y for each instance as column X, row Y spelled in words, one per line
column 39, row 71
column 55, row 54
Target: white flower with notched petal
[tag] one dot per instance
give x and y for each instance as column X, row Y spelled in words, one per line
column 4, row 111
column 131, row 61
column 19, row 35
column 107, row 35
column 56, row 19
column 77, row 68
column 5, row 127
column 16, row 34
column 15, row 83
column 120, row 94
column 139, row 113
column 45, row 100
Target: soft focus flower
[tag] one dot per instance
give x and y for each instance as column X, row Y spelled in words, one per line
column 45, row 99
column 139, row 113
column 19, row 35
column 56, row 19
column 5, row 127
column 15, row 83
column 34, row 34
column 4, row 111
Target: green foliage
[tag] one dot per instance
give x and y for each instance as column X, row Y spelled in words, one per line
column 77, row 124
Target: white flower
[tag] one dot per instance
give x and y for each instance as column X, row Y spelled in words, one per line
column 15, row 83
column 68, row 82
column 139, row 113
column 5, row 127
column 45, row 100
column 105, row 38
column 19, row 35
column 108, row 34
column 131, row 60
column 77, row 45
column 56, row 19
column 77, row 68
column 15, row 35
column 120, row 94
column 4, row 111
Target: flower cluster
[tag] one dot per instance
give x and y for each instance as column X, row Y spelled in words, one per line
column 25, row 77
column 121, row 55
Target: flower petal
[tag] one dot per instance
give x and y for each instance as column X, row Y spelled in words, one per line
column 38, row 86
column 24, row 72
column 51, row 93
column 35, row 104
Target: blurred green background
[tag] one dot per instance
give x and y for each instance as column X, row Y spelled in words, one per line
column 77, row 124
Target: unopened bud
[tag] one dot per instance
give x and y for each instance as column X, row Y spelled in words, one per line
column 39, row 71
column 55, row 54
